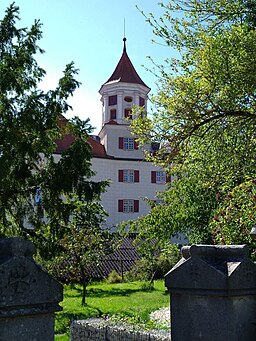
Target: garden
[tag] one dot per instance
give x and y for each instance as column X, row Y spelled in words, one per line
column 130, row 302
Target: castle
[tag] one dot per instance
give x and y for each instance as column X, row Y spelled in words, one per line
column 116, row 155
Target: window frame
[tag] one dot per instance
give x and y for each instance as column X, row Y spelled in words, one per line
column 128, row 205
column 129, row 175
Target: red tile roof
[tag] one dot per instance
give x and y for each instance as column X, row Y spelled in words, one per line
column 64, row 143
column 125, row 71
column 97, row 148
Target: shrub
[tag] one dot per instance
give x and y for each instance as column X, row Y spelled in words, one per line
column 147, row 269
column 114, row 277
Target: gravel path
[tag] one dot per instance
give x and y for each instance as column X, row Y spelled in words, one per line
column 161, row 316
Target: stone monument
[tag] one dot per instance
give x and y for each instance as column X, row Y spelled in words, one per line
column 28, row 295
column 213, row 294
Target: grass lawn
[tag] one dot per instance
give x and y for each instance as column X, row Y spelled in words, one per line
column 124, row 299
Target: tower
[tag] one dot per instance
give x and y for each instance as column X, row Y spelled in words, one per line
column 119, row 94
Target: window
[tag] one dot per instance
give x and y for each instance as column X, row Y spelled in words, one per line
column 128, row 175
column 128, row 206
column 113, row 114
column 128, row 113
column 159, row 177
column 112, row 100
column 128, row 99
column 141, row 102
column 127, row 143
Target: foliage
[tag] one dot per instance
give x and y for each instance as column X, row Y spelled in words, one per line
column 205, row 115
column 114, row 277
column 235, row 216
column 84, row 248
column 146, row 270
column 36, row 190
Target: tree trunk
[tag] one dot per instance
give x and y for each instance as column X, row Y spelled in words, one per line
column 85, row 282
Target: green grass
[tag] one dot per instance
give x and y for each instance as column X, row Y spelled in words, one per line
column 133, row 300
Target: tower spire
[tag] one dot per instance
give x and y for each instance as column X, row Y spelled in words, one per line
column 124, row 39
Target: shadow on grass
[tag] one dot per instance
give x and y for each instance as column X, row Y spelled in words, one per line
column 97, row 292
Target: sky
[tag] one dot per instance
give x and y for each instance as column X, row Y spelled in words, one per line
column 90, row 33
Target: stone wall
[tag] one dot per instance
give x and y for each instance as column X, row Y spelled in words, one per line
column 101, row 330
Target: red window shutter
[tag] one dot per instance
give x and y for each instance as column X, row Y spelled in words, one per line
column 153, row 177
column 120, row 205
column 120, row 175
column 136, row 205
column 136, row 146
column 168, row 178
column 136, row 176
column 121, row 143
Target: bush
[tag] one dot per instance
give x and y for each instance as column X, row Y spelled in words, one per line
column 113, row 278
column 142, row 271
column 147, row 269
column 167, row 259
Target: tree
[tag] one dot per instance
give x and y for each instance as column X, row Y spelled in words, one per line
column 30, row 123
column 84, row 245
column 213, row 82
column 235, row 216
column 205, row 112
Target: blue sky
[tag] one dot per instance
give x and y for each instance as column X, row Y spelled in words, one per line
column 90, row 33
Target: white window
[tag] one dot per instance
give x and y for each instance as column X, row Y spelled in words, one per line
column 160, row 177
column 128, row 143
column 128, row 175
column 128, row 206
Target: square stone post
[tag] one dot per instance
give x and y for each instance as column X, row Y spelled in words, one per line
column 213, row 294
column 28, row 295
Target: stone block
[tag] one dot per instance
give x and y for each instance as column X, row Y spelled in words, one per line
column 29, row 296
column 213, row 294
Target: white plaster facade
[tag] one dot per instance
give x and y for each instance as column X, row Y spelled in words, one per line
column 107, row 169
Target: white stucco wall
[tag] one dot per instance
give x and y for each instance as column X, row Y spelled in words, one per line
column 108, row 169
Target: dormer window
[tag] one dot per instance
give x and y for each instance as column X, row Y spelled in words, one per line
column 128, row 99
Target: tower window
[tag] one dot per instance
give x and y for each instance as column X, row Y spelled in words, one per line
column 128, row 99
column 127, row 143
column 128, row 113
column 141, row 102
column 112, row 100
column 113, row 114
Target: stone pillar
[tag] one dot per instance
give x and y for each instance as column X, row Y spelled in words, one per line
column 213, row 294
column 28, row 295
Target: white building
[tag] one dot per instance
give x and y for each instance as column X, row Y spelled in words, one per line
column 116, row 155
